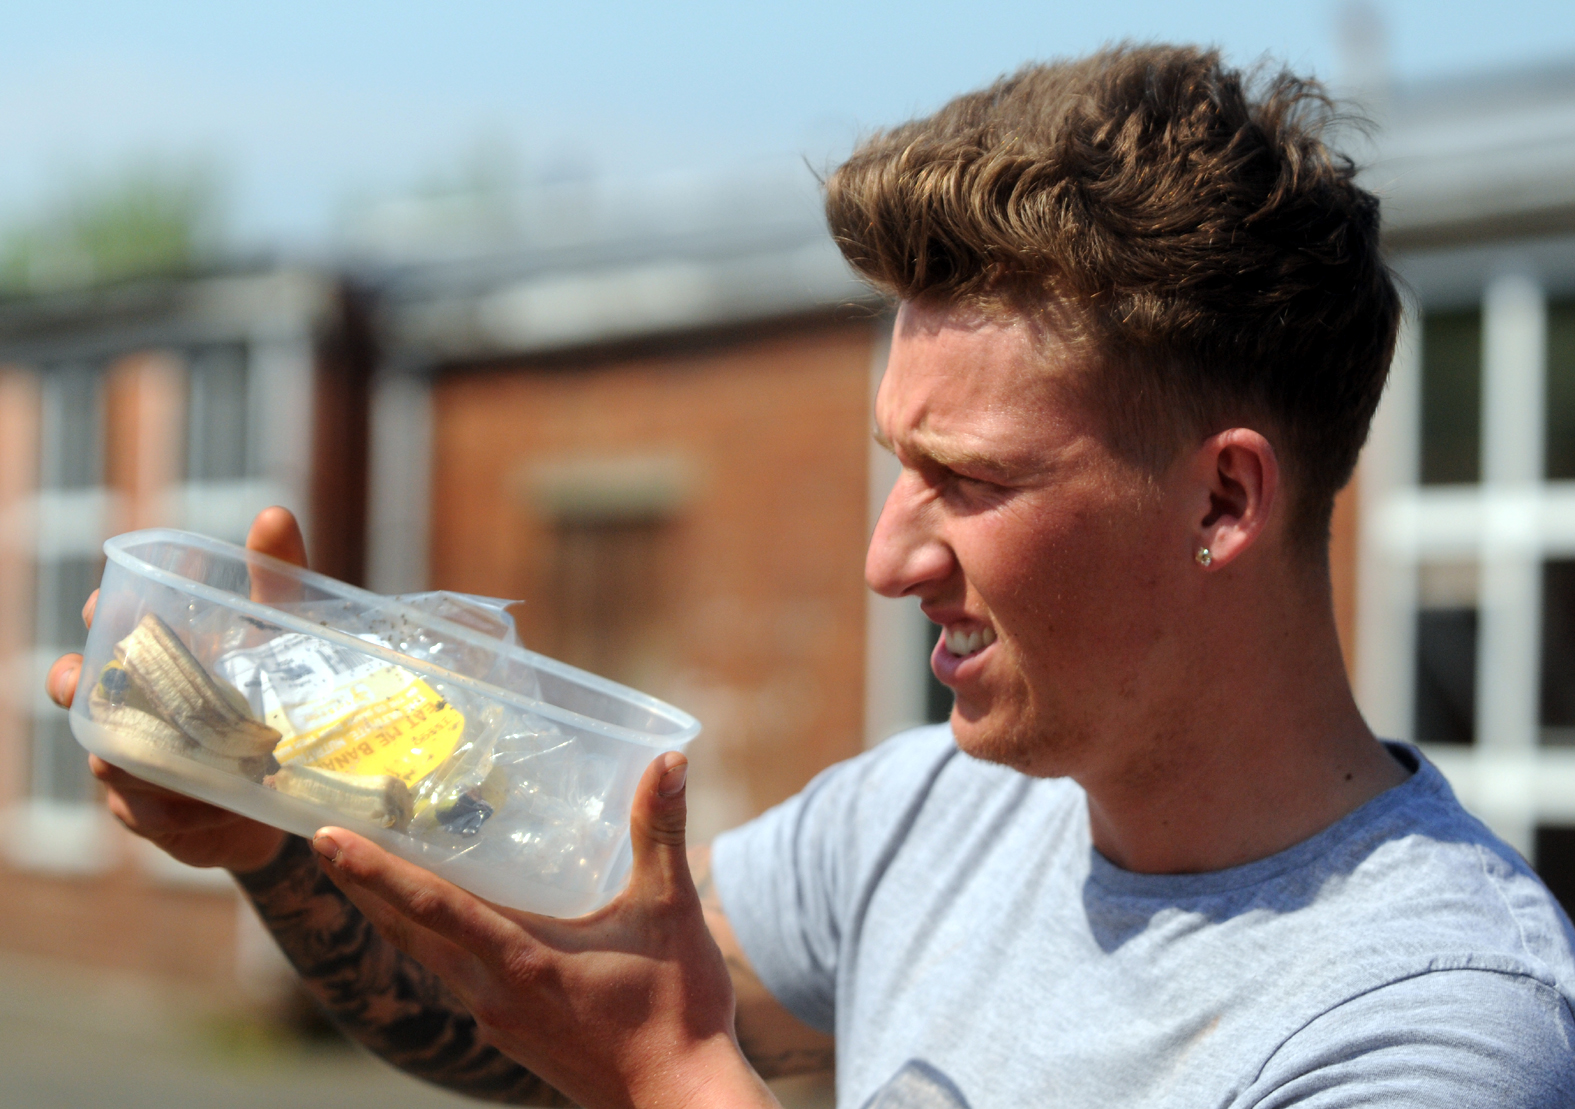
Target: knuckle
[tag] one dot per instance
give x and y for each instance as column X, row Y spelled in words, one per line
column 426, row 906
column 526, row 968
column 667, row 832
column 673, row 904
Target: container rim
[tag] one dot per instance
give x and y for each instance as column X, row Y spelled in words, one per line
column 116, row 549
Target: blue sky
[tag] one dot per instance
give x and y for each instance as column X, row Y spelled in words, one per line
column 306, row 106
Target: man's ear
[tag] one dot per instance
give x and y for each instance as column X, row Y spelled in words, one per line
column 1238, row 471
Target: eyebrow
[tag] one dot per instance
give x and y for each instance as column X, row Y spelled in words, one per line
column 953, row 459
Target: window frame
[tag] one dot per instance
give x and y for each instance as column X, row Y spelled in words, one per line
column 1510, row 523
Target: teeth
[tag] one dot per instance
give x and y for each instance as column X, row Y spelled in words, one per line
column 377, row 798
column 177, row 688
column 963, row 643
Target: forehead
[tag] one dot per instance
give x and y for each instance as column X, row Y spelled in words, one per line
column 958, row 384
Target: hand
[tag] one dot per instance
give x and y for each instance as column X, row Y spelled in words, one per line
column 629, row 1006
column 194, row 832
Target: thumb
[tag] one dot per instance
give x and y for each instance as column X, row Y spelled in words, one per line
column 656, row 827
column 275, row 532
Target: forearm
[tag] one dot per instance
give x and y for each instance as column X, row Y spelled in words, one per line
column 378, row 995
column 775, row 1042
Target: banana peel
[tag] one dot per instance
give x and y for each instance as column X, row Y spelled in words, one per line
column 381, row 799
column 115, row 703
column 180, row 690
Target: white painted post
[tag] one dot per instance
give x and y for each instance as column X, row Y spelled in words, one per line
column 399, row 489
column 1513, row 369
column 280, row 413
column 1386, row 583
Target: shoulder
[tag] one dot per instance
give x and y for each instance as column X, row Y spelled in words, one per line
column 1436, row 884
column 1449, row 1036
column 1429, row 959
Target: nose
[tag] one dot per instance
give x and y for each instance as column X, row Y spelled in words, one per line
column 907, row 552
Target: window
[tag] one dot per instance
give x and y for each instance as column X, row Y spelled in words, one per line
column 610, row 598
column 71, row 524
column 1555, row 861
column 938, row 698
column 1446, row 653
column 1451, row 397
column 1467, row 594
column 1560, row 446
column 216, row 415
column 1557, row 715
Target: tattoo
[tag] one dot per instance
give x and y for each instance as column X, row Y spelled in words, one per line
column 379, row 995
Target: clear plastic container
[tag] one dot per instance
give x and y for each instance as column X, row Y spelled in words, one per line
column 419, row 722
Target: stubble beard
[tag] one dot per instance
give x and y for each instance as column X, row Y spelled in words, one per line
column 1031, row 741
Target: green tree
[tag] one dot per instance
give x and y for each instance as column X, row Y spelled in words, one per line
column 148, row 218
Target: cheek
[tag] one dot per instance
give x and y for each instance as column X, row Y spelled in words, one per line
column 1090, row 584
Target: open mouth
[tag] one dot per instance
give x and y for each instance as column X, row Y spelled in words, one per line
column 964, row 643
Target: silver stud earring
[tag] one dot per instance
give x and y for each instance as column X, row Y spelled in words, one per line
column 1203, row 556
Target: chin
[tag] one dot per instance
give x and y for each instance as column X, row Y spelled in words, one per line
column 1027, row 747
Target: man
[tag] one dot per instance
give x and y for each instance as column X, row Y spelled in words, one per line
column 1157, row 857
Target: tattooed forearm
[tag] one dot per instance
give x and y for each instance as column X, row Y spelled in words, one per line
column 771, row 1038
column 380, row 996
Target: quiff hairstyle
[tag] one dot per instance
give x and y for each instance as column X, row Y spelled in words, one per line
column 1184, row 221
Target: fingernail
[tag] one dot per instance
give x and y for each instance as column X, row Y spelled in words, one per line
column 672, row 782
column 325, row 845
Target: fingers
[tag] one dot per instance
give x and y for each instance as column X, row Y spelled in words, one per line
column 431, row 915
column 275, row 532
column 61, row 682
column 151, row 810
column 656, row 827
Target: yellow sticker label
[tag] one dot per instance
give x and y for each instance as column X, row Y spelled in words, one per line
column 388, row 722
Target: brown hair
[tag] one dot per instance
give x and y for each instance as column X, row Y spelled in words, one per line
column 1216, row 254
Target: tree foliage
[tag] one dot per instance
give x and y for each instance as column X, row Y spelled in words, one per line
column 150, row 218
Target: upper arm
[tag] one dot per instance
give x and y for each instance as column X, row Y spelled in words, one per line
column 773, row 1040
column 1452, row 1039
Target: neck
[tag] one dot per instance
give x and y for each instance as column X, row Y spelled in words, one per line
column 1259, row 749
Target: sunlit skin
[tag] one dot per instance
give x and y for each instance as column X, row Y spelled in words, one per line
column 1204, row 710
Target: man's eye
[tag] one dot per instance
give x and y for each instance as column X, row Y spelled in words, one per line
column 973, row 486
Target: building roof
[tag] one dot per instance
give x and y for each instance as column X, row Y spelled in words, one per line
column 583, row 263
column 1476, row 156
column 91, row 324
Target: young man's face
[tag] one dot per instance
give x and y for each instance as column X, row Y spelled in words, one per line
column 1051, row 564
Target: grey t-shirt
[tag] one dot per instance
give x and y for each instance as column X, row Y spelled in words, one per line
column 950, row 921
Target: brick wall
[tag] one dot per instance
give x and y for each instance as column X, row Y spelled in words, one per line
column 719, row 489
